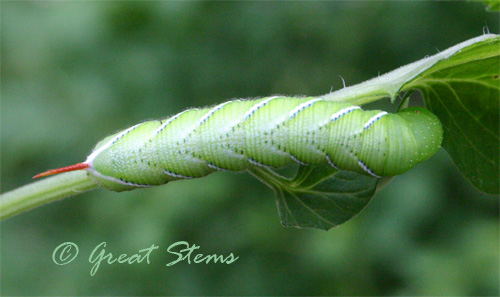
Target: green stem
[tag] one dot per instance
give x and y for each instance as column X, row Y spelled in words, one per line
column 392, row 83
column 44, row 191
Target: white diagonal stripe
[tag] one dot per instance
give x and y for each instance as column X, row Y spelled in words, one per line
column 95, row 153
column 373, row 119
column 205, row 117
column 257, row 106
column 367, row 169
column 343, row 112
column 169, row 121
column 302, row 106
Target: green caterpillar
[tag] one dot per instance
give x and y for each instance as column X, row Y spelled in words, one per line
column 270, row 132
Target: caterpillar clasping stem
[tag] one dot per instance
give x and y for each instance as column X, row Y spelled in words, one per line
column 74, row 167
column 270, row 132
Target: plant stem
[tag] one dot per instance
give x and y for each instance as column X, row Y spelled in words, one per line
column 42, row 192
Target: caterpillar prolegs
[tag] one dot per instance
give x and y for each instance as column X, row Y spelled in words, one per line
column 270, row 132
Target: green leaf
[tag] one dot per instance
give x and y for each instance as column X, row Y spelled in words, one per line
column 492, row 5
column 318, row 196
column 464, row 92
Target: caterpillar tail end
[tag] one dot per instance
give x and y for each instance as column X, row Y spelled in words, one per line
column 78, row 166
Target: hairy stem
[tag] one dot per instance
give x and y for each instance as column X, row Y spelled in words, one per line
column 43, row 192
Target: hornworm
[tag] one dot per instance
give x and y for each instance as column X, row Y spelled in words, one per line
column 268, row 132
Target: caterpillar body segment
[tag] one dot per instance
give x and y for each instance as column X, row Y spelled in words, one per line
column 270, row 132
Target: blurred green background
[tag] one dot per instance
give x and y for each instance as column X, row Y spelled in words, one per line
column 74, row 72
